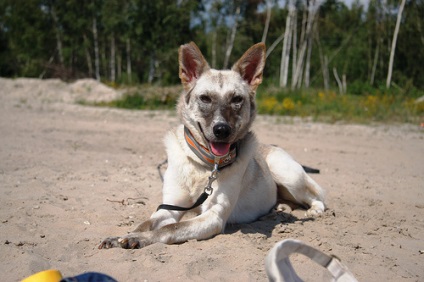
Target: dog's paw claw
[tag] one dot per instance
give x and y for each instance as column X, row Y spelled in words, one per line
column 316, row 210
column 111, row 242
column 313, row 213
column 135, row 245
column 126, row 242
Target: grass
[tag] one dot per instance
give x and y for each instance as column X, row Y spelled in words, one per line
column 147, row 98
column 331, row 107
column 325, row 106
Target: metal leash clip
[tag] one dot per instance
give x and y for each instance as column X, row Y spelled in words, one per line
column 212, row 178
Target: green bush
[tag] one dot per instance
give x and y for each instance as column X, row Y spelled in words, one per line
column 372, row 104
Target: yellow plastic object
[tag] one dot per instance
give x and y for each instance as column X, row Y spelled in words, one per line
column 50, row 275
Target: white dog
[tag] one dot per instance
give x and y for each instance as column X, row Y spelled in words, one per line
column 214, row 147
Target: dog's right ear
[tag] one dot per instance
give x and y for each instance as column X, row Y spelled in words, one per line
column 192, row 64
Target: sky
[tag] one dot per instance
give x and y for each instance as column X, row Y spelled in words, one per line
column 363, row 2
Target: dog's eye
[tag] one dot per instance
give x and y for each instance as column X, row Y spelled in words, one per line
column 237, row 100
column 205, row 99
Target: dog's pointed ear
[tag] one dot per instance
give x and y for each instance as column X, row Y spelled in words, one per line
column 192, row 64
column 251, row 65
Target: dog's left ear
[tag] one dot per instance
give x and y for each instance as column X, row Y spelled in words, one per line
column 251, row 65
column 192, row 64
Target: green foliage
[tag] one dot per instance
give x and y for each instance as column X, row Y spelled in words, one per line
column 56, row 38
column 146, row 97
column 328, row 106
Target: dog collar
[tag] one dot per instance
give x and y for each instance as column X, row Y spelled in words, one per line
column 206, row 155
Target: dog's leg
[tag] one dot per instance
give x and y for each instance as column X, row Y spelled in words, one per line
column 293, row 182
column 201, row 227
column 159, row 219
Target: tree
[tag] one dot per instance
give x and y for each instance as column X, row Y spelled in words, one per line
column 137, row 41
column 285, row 55
column 230, row 41
column 312, row 10
column 268, row 19
column 392, row 50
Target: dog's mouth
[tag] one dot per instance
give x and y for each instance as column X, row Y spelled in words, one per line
column 220, row 148
column 217, row 148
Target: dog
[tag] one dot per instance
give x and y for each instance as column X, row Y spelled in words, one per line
column 216, row 167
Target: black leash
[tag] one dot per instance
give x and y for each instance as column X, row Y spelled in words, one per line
column 202, row 198
column 199, row 201
column 159, row 168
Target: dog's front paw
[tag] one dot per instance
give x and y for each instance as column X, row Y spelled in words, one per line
column 130, row 241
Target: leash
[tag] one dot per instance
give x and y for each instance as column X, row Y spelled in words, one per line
column 202, row 198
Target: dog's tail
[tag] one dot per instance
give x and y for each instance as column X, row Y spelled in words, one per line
column 308, row 169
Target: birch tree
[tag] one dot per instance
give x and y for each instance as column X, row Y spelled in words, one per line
column 112, row 58
column 58, row 35
column 312, row 10
column 232, row 37
column 88, row 55
column 128, row 51
column 267, row 20
column 285, row 54
column 392, row 50
column 96, row 49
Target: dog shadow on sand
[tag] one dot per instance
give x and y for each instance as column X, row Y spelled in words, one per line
column 277, row 221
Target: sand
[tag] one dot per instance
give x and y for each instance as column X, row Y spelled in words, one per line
column 71, row 175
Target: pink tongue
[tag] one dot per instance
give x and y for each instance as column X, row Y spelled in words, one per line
column 220, row 149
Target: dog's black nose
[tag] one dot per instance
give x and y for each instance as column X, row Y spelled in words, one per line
column 221, row 130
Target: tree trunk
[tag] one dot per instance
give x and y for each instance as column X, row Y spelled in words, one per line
column 129, row 71
column 326, row 74
column 104, row 62
column 339, row 82
column 214, row 35
column 58, row 37
column 118, row 65
column 285, row 54
column 304, row 23
column 308, row 59
column 392, row 50
column 344, row 84
column 232, row 38
column 112, row 59
column 324, row 62
column 420, row 32
column 96, row 50
column 311, row 16
column 268, row 19
column 375, row 61
column 294, row 40
column 151, row 68
column 41, row 76
column 88, row 56
column 273, row 45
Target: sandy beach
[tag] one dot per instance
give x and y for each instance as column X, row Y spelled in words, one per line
column 71, row 175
